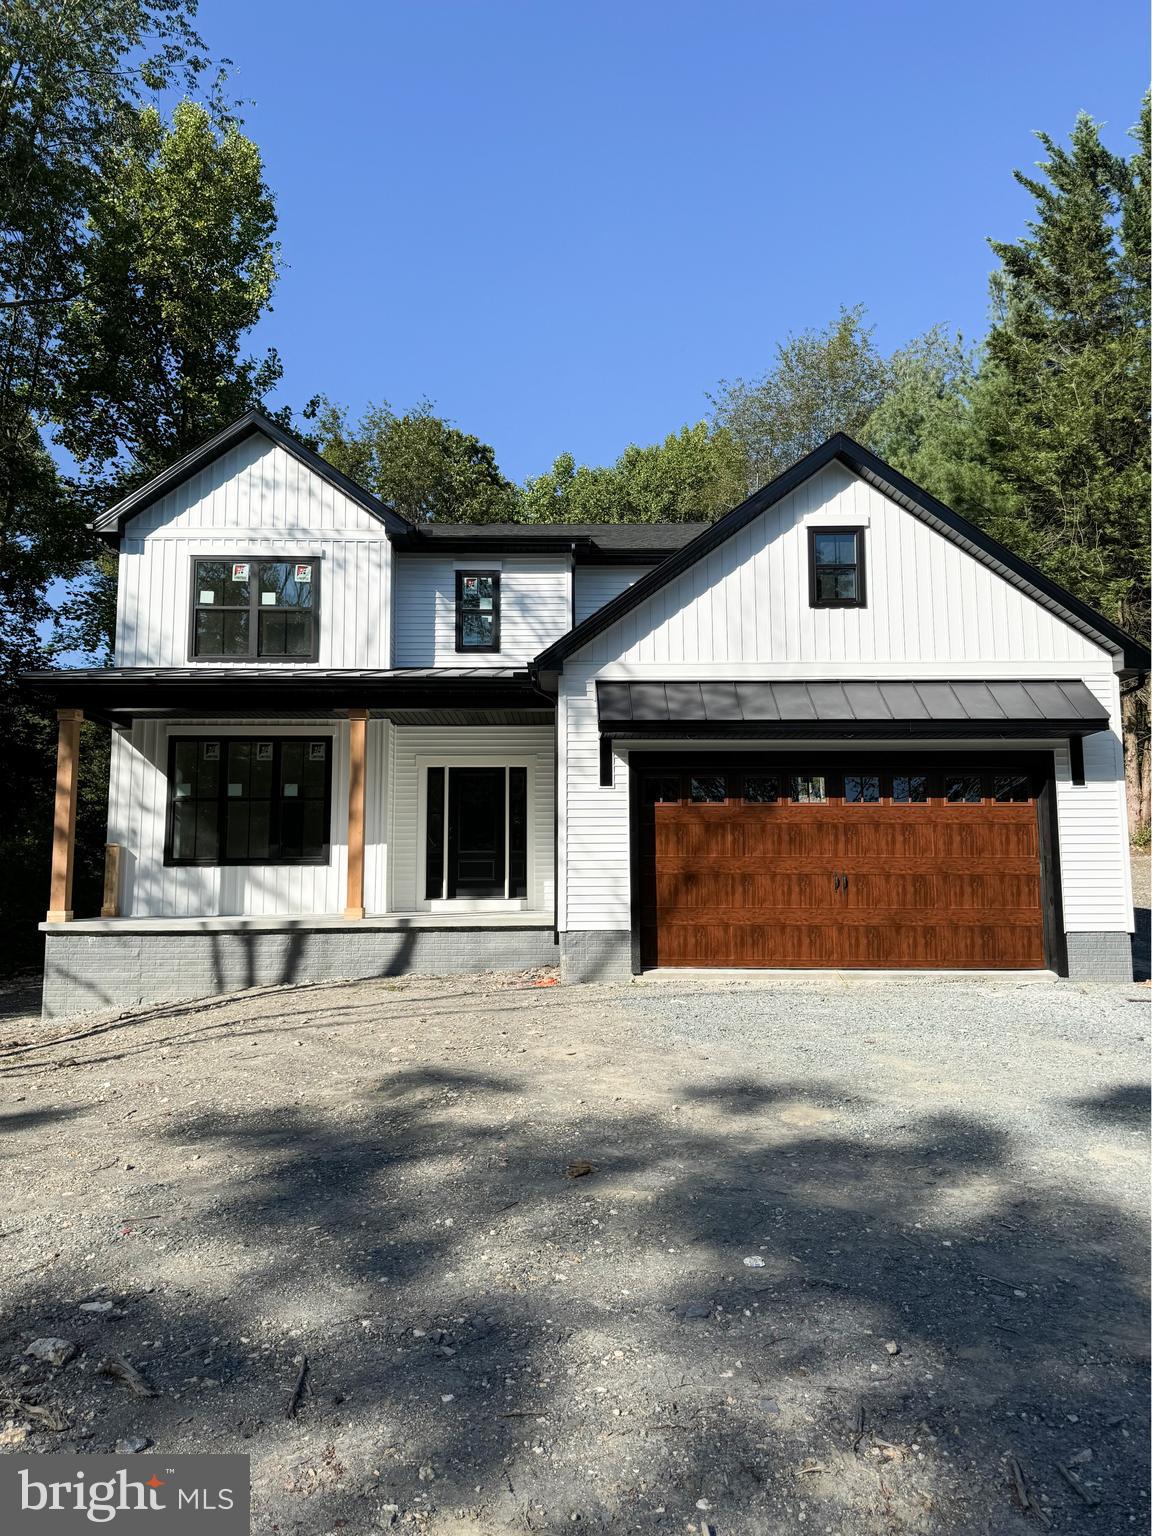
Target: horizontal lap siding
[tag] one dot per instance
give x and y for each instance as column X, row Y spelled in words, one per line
column 510, row 743
column 535, row 609
column 1093, row 826
column 594, row 831
column 599, row 584
column 137, row 820
column 254, row 501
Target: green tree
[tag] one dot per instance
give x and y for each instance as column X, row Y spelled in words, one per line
column 1062, row 410
column 419, row 463
column 694, row 475
column 821, row 382
column 72, row 78
column 180, row 264
column 924, row 426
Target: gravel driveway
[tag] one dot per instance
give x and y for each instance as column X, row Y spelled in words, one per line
column 843, row 1252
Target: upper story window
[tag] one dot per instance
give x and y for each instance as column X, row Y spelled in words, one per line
column 477, row 610
column 255, row 610
column 836, row 567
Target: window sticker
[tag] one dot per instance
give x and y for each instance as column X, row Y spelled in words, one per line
column 317, row 751
column 263, row 751
column 235, row 791
column 211, row 751
column 471, row 583
column 207, row 597
column 268, row 599
column 303, row 573
column 240, row 571
column 291, row 791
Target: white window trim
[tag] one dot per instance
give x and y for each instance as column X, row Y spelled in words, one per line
column 448, row 760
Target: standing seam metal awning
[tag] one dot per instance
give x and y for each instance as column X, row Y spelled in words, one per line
column 900, row 708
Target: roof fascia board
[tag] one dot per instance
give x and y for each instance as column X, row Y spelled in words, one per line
column 841, row 448
column 111, row 522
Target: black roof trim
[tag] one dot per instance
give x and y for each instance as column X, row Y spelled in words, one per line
column 600, row 543
column 841, row 448
column 111, row 523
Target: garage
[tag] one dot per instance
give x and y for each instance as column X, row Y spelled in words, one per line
column 842, row 861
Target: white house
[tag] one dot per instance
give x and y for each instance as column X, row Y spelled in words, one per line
column 840, row 727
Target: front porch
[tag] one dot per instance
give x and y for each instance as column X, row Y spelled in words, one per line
column 350, row 826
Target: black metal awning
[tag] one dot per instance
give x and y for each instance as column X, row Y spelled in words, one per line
column 411, row 695
column 828, row 710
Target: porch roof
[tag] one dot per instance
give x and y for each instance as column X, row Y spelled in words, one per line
column 411, row 695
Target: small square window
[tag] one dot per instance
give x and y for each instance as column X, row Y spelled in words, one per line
column 836, row 567
column 862, row 787
column 963, row 789
column 1011, row 787
column 712, row 789
column 809, row 790
column 909, row 788
column 662, row 791
column 761, row 790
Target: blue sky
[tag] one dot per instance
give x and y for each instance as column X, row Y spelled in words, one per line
column 565, row 222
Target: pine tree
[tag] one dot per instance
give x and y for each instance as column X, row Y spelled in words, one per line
column 1062, row 407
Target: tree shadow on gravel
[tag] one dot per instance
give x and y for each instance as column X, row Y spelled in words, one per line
column 488, row 1335
column 1127, row 1104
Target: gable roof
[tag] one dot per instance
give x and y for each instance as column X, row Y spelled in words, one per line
column 110, row 524
column 842, row 449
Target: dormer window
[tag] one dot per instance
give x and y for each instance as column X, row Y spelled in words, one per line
column 477, row 610
column 836, row 567
column 255, row 610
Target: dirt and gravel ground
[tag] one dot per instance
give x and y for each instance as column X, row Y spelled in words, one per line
column 844, row 1251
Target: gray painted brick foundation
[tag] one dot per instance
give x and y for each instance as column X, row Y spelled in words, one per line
column 107, row 970
column 1099, row 956
column 596, row 954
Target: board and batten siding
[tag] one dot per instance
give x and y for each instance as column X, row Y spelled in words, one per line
column 743, row 611
column 414, row 748
column 256, row 499
column 928, row 600
column 599, row 584
column 535, row 608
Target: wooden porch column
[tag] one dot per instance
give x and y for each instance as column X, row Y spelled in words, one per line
column 64, row 821
column 357, row 773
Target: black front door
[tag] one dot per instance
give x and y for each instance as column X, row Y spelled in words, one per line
column 476, row 810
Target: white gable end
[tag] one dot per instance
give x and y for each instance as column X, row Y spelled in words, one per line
column 256, row 485
column 255, row 499
column 928, row 600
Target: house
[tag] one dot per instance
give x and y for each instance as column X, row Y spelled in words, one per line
column 840, row 727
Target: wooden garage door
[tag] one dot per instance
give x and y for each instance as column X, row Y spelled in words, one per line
column 854, row 866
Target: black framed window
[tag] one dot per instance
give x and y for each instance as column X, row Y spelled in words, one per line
column 477, row 610
column 249, row 800
column 253, row 610
column 761, row 789
column 836, row 567
column 476, row 833
column 909, row 788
